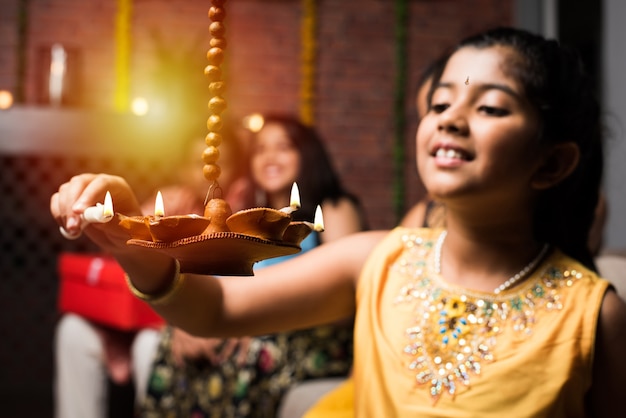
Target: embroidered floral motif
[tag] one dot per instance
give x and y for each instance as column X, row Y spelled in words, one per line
column 455, row 330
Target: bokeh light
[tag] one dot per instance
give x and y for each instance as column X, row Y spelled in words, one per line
column 6, row 99
column 140, row 106
column 254, row 122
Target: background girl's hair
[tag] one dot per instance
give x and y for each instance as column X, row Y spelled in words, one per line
column 555, row 82
column 317, row 179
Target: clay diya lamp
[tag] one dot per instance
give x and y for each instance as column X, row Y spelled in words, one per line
column 264, row 223
column 217, row 211
column 296, row 232
column 135, row 226
column 173, row 228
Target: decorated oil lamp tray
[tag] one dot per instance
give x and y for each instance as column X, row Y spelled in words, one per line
column 220, row 242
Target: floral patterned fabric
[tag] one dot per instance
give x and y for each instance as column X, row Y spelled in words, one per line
column 274, row 363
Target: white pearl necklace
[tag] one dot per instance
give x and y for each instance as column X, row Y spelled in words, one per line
column 507, row 284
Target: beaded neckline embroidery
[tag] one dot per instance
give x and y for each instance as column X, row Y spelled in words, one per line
column 455, row 330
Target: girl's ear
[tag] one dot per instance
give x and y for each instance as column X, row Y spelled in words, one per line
column 559, row 162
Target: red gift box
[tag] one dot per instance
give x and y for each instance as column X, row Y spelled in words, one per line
column 94, row 287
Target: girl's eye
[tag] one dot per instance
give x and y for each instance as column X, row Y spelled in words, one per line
column 493, row 111
column 439, row 107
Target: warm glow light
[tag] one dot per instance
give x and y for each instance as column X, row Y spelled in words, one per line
column 318, row 225
column 6, row 99
column 108, row 206
column 253, row 122
column 140, row 106
column 159, row 209
column 58, row 67
column 294, row 201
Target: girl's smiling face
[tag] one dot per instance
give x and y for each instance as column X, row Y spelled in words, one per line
column 481, row 133
column 275, row 160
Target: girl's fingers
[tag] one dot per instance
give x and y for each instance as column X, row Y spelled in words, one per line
column 63, row 202
column 85, row 190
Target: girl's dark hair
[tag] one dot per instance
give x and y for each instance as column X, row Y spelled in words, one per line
column 317, row 179
column 432, row 72
column 555, row 82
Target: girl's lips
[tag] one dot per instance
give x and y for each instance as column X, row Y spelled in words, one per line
column 450, row 151
column 448, row 156
column 271, row 170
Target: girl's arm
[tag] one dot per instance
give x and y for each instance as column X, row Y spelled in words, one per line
column 314, row 288
column 609, row 372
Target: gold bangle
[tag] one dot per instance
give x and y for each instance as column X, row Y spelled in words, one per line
column 163, row 297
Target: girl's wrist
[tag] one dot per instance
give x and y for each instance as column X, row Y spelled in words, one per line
column 163, row 296
column 149, row 272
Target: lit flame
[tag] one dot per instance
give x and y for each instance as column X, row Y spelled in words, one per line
column 159, row 209
column 294, row 201
column 107, row 210
column 318, row 224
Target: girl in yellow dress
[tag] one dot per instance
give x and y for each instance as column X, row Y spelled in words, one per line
column 499, row 314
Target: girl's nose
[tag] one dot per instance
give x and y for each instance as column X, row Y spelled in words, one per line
column 453, row 120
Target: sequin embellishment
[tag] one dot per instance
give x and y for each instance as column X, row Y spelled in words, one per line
column 455, row 330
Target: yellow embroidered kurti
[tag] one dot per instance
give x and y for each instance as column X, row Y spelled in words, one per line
column 424, row 348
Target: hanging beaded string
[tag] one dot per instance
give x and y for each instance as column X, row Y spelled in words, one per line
column 217, row 104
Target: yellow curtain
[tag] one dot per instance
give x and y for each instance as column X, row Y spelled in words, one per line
column 122, row 54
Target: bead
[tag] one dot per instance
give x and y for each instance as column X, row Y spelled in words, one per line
column 215, row 56
column 217, row 104
column 210, row 155
column 213, row 73
column 213, row 139
column 217, row 88
column 211, row 171
column 218, row 43
column 217, row 29
column 217, row 13
column 214, row 123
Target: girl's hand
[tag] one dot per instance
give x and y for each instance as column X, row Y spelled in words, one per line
column 216, row 350
column 85, row 190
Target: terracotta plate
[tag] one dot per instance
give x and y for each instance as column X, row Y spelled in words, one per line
column 221, row 253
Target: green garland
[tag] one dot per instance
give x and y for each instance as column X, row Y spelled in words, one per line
column 399, row 118
column 307, row 61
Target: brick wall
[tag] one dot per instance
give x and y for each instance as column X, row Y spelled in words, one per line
column 355, row 65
